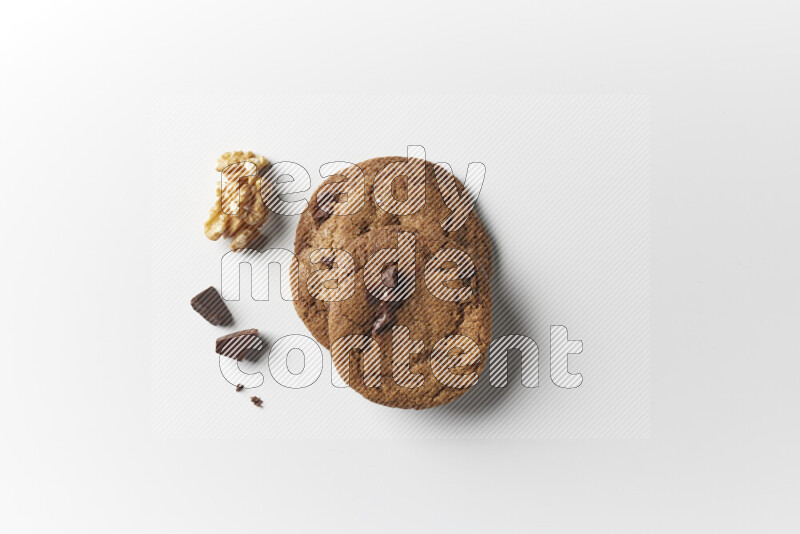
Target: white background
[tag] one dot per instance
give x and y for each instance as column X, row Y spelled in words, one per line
column 566, row 202
column 78, row 84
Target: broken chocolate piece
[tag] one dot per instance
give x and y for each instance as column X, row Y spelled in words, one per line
column 390, row 275
column 327, row 200
column 211, row 306
column 236, row 345
column 239, row 387
column 256, row 401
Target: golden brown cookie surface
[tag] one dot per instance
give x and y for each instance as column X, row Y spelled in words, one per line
column 353, row 202
column 416, row 331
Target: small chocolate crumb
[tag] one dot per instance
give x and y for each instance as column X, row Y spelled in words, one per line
column 211, row 306
column 256, row 401
column 236, row 345
column 239, row 387
column 328, row 262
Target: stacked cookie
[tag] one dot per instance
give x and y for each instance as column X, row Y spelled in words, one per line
column 401, row 297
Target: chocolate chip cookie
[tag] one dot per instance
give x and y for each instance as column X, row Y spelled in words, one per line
column 416, row 330
column 373, row 194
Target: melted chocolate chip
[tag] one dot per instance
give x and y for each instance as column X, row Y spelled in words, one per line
column 327, row 262
column 390, row 275
column 326, row 199
column 238, row 344
column 385, row 316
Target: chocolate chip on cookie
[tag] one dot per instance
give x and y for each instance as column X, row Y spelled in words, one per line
column 389, row 276
column 385, row 317
column 238, row 344
column 324, row 206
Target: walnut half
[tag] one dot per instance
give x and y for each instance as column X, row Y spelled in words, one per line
column 239, row 210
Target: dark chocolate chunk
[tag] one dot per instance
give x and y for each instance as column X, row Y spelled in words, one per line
column 328, row 262
column 236, row 345
column 256, row 401
column 239, row 387
column 211, row 306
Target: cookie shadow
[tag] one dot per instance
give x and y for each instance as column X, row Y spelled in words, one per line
column 509, row 316
column 274, row 227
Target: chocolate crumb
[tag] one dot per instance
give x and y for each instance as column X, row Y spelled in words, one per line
column 256, row 401
column 328, row 262
column 239, row 387
column 210, row 305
